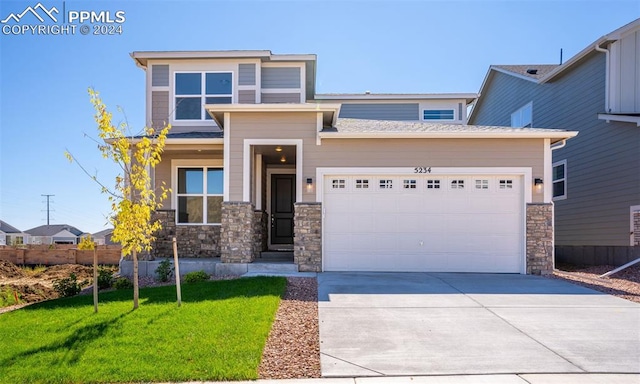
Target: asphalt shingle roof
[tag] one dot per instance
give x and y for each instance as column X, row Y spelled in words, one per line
column 344, row 125
column 541, row 69
column 50, row 230
column 6, row 228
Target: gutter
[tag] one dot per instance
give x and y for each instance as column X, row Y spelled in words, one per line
column 606, row 81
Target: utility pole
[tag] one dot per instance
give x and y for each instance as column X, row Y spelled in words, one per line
column 47, row 196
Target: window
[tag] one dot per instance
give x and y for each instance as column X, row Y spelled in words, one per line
column 194, row 89
column 200, row 195
column 410, row 184
column 457, row 184
column 437, row 114
column 559, row 174
column 522, row 118
column 506, row 184
column 433, row 184
column 362, row 184
column 338, row 183
column 386, row 184
column 482, row 184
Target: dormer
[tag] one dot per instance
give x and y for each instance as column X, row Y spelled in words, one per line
column 180, row 83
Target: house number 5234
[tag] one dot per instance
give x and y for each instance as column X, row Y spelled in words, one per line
column 422, row 170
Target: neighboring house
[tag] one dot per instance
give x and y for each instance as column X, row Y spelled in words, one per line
column 257, row 160
column 596, row 177
column 10, row 235
column 103, row 237
column 55, row 234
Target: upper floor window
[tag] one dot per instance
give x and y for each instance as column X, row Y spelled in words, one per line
column 523, row 117
column 438, row 114
column 560, row 180
column 195, row 89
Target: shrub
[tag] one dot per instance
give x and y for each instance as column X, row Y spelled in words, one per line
column 9, row 297
column 122, row 283
column 194, row 277
column 68, row 286
column 105, row 278
column 87, row 243
column 164, row 270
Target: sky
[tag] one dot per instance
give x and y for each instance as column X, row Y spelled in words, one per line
column 379, row 46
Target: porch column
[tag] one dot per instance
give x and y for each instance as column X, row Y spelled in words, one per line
column 307, row 240
column 539, row 239
column 237, row 239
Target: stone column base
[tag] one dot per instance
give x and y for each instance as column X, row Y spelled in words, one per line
column 539, row 239
column 307, row 241
column 237, row 236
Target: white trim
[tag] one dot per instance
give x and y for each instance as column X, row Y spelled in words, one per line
column 632, row 209
column 226, row 155
column 274, row 107
column 547, row 191
column 319, row 124
column 523, row 172
column 246, row 165
column 623, row 118
column 149, row 101
column 204, row 163
column 258, row 182
column 468, row 97
column 177, row 141
column 565, row 178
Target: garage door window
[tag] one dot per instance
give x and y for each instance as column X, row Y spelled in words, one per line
column 410, row 184
column 386, row 184
column 457, row 184
column 433, row 184
column 482, row 184
column 506, row 184
column 338, row 183
column 362, row 184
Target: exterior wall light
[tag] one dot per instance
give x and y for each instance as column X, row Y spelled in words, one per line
column 538, row 183
column 309, row 185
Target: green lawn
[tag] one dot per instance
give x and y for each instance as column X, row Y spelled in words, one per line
column 217, row 334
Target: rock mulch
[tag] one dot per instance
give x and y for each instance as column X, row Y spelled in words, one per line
column 624, row 284
column 293, row 347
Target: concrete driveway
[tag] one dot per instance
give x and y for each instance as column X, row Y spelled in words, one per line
column 375, row 324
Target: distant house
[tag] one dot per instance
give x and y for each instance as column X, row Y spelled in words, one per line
column 595, row 179
column 103, row 237
column 55, row 234
column 10, row 235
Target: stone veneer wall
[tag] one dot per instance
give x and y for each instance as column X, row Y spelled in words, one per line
column 539, row 239
column 237, row 235
column 307, row 241
column 199, row 241
column 260, row 232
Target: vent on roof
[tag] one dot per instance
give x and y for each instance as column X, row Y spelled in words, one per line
column 367, row 92
column 532, row 71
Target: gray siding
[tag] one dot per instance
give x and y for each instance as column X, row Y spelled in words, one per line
column 247, row 96
column 159, row 108
column 280, row 98
column 603, row 161
column 160, row 75
column 381, row 111
column 247, row 74
column 287, row 77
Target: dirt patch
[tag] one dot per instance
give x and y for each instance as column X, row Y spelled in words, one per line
column 9, row 271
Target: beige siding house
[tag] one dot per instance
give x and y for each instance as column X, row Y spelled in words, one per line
column 257, row 161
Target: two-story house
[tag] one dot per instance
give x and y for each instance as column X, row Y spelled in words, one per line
column 596, row 176
column 257, row 160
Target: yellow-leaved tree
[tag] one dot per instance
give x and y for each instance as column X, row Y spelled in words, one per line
column 133, row 197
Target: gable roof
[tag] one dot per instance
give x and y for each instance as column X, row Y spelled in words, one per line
column 6, row 228
column 102, row 233
column 50, row 230
column 384, row 129
column 548, row 72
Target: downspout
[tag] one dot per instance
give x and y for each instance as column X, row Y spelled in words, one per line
column 558, row 146
column 606, row 77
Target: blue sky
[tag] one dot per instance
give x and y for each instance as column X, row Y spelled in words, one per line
column 380, row 46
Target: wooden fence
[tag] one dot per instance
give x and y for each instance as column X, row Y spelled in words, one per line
column 59, row 254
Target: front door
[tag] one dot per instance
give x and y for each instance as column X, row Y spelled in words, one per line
column 283, row 192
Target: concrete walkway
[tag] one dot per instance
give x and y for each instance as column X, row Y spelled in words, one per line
column 514, row 328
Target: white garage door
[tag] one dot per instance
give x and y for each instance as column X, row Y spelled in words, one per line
column 423, row 223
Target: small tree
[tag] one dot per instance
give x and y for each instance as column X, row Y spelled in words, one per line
column 133, row 198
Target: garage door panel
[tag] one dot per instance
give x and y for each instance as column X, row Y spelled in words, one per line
column 405, row 223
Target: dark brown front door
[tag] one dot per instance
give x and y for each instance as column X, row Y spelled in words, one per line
column 283, row 192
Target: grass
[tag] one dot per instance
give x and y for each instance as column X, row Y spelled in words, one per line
column 218, row 333
column 33, row 270
column 8, row 297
